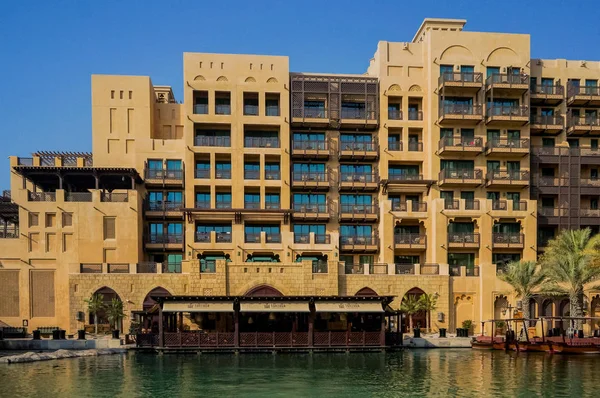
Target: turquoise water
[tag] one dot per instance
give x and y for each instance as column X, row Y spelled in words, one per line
column 415, row 373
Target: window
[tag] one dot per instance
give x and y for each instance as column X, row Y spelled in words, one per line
column 573, row 142
column 394, row 111
column 493, row 165
column 547, row 172
column 461, row 228
column 502, row 259
column 406, row 230
column 446, row 71
column 174, row 198
column 252, row 200
column 506, row 228
column 457, row 164
column 223, row 170
column 461, row 259
column 467, row 73
column 394, row 142
column 413, row 143
column 203, row 200
column 356, row 203
column 50, row 220
column 272, row 171
column 492, row 70
column 356, row 230
column 220, row 138
column 493, row 196
column 173, row 164
column 302, row 232
column 208, row 228
column 310, row 203
column 261, row 139
column 309, row 141
column 448, row 197
column 516, row 199
column 308, row 171
column 550, row 142
column 202, row 169
column 251, row 104
column 155, row 164
column 594, row 143
column 222, row 103
column 594, row 203
column 272, row 201
column 353, row 110
column 272, row 105
column 174, row 263
column 356, row 142
column 110, row 228
column 251, row 170
column 252, row 233
column 403, row 171
column 315, row 109
column 593, row 174
column 175, row 230
column 201, row 102
column 223, row 200
column 34, row 219
column 67, row 219
column 548, row 202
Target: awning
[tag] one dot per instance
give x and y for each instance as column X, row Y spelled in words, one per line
column 198, row 306
column 348, row 306
column 275, row 306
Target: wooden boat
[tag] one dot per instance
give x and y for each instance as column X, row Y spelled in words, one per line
column 482, row 343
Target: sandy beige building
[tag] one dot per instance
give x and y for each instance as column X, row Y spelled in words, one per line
column 413, row 177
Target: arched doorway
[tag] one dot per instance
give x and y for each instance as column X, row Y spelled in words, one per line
column 500, row 304
column 149, row 302
column 263, row 291
column 107, row 295
column 366, row 291
column 564, row 309
column 419, row 318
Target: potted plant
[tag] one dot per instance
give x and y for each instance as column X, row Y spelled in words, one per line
column 95, row 305
column 115, row 315
column 466, row 325
column 410, row 305
column 500, row 328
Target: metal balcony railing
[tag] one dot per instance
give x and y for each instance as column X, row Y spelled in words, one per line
column 208, row 267
column 415, row 146
column 78, row 196
column 547, row 120
column 9, row 233
column 223, row 205
column 272, row 110
column 301, row 238
column 507, row 111
column 202, row 237
column 583, row 121
column 322, row 239
column 508, row 143
column 272, row 205
column 359, row 209
column 41, row 196
column 466, row 175
column 461, row 109
column 542, row 89
column 310, row 208
column 552, row 211
column 507, row 78
column 320, row 176
column 90, row 268
column 171, row 268
column 312, row 113
column 472, row 271
column 223, row 237
column 272, row 175
column 503, row 175
column 358, row 146
column 461, row 77
column 273, row 238
column 164, row 206
column 202, row 173
column 463, row 238
column 201, row 109
column 309, row 145
column 261, row 142
column 587, row 212
column 251, row 174
column 223, row 109
column 507, row 238
column 148, row 267
column 118, row 268
column 25, row 161
column 359, row 177
column 251, row 205
column 394, row 146
column 404, row 269
column 202, row 204
column 202, row 140
column 320, row 267
column 415, row 115
column 573, row 90
column 163, row 174
column 354, row 113
column 359, row 240
column 250, row 110
column 403, row 177
column 164, row 238
column 354, row 269
column 461, row 142
column 252, row 238
column 417, row 240
column 454, row 270
column 223, row 174
column 394, row 114
column 403, row 206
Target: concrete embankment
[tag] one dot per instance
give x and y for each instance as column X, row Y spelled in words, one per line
column 59, row 354
column 436, row 342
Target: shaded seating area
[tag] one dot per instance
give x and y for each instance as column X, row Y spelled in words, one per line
column 269, row 322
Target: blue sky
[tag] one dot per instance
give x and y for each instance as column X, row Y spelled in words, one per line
column 50, row 49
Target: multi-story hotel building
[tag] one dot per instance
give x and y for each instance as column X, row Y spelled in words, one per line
column 413, row 177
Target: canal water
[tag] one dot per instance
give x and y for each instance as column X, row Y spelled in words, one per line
column 414, row 373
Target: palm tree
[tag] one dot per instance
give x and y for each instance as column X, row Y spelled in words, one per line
column 115, row 313
column 571, row 261
column 525, row 277
column 428, row 303
column 95, row 305
column 410, row 305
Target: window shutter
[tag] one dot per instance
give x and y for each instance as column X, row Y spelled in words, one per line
column 109, row 228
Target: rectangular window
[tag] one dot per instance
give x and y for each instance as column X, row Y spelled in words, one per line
column 272, row 171
column 461, row 259
column 594, row 143
column 110, row 228
column 550, row 142
column 222, row 103
column 203, row 200
column 155, row 164
column 50, row 220
column 223, row 200
column 252, row 201
column 173, row 164
column 272, row 201
column 34, row 219
column 492, row 70
column 448, row 197
column 67, row 219
column 573, row 142
column 394, row 142
column 252, row 170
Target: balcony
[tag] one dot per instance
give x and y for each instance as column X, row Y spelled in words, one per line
column 507, row 240
column 588, row 156
column 162, row 209
column 589, row 186
column 309, row 116
column 414, row 207
column 318, row 239
column 410, row 241
column 358, row 117
column 311, row 180
column 78, row 196
column 223, row 174
column 550, row 185
column 225, row 205
column 546, row 124
column 462, row 205
column 41, row 196
column 261, row 142
column 350, row 150
column 503, row 205
column 583, row 96
column 463, row 240
column 164, row 241
column 310, row 149
column 272, row 175
column 547, row 95
column 460, row 146
column 503, row 178
column 508, row 83
column 257, row 238
column 250, row 110
column 589, row 216
column 354, row 269
column 251, row 205
column 359, row 243
column 550, row 154
column 462, row 81
column 508, row 147
column 359, row 181
column 251, row 174
column 202, row 205
column 404, row 269
column 11, row 232
column 222, row 109
column 507, row 115
column 453, row 114
column 206, row 141
column 115, row 197
column 583, row 124
column 365, row 213
column 462, row 177
column 213, row 237
column 163, row 177
column 310, row 211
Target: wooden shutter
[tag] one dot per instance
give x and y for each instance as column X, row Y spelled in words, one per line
column 9, row 293
column 42, row 293
column 110, row 228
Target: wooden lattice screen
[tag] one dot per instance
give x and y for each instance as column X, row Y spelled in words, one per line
column 42, row 293
column 9, row 293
